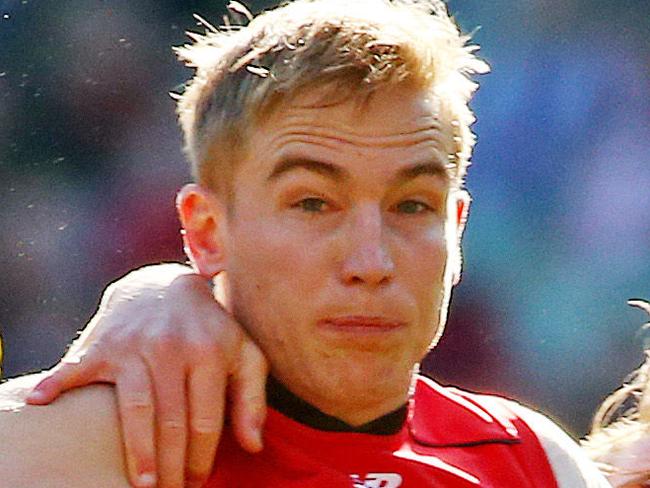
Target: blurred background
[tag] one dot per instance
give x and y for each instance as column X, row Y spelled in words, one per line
column 559, row 234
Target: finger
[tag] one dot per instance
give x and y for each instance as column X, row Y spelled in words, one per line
column 248, row 396
column 171, row 424
column 135, row 404
column 206, row 392
column 69, row 373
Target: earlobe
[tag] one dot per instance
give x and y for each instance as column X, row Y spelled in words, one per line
column 201, row 215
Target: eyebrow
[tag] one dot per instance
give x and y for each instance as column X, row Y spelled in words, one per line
column 336, row 173
column 430, row 168
column 321, row 167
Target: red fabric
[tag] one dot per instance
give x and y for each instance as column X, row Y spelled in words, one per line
column 452, row 439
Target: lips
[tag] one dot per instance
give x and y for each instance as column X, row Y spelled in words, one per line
column 361, row 323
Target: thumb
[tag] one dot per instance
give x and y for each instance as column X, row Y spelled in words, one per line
column 70, row 372
column 248, row 396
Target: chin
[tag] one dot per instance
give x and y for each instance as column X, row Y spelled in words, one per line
column 367, row 379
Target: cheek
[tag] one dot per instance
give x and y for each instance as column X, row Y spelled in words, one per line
column 271, row 270
column 427, row 280
column 424, row 264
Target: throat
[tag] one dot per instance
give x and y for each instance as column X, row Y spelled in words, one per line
column 294, row 407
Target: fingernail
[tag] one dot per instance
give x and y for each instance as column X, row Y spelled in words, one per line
column 36, row 396
column 146, row 480
column 256, row 431
column 258, row 438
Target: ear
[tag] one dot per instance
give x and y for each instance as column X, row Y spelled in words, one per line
column 462, row 201
column 202, row 216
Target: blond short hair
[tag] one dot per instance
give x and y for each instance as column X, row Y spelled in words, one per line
column 242, row 72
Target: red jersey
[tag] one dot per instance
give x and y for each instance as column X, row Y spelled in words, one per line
column 451, row 439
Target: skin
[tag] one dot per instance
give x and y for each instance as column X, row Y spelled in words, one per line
column 166, row 344
column 74, row 443
column 347, row 237
column 374, row 271
column 356, row 201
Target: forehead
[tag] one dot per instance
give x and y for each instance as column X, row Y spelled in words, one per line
column 394, row 123
column 377, row 108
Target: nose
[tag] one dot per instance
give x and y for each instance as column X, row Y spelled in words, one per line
column 367, row 258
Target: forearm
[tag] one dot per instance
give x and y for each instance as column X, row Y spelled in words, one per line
column 148, row 284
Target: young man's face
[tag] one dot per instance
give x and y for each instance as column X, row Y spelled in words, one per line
column 337, row 243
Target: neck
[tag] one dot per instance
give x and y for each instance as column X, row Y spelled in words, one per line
column 294, row 407
column 354, row 402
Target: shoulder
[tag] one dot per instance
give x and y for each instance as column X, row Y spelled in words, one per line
column 570, row 463
column 73, row 442
column 474, row 418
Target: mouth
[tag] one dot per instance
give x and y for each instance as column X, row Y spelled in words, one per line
column 361, row 324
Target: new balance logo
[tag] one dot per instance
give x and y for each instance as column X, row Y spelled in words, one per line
column 377, row 480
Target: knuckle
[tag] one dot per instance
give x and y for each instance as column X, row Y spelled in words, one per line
column 254, row 357
column 102, row 363
column 172, row 425
column 206, row 348
column 164, row 342
column 139, row 404
column 95, row 356
column 253, row 352
column 200, row 350
column 225, row 331
column 204, row 426
column 231, row 332
column 254, row 399
column 56, row 373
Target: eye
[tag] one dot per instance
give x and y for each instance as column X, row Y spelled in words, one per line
column 312, row 205
column 413, row 207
